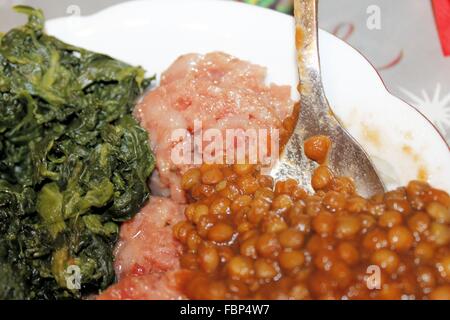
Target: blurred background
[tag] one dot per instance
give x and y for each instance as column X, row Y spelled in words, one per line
column 400, row 38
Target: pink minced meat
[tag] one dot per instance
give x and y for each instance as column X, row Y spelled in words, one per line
column 146, row 243
column 155, row 286
column 147, row 255
column 224, row 93
column 217, row 89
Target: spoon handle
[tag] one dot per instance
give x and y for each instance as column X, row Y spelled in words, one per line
column 310, row 88
column 305, row 12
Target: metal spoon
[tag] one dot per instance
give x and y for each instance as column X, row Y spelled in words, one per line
column 346, row 157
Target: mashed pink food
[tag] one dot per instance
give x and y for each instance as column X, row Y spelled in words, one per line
column 147, row 255
column 217, row 89
column 146, row 242
column 155, row 286
column 224, row 93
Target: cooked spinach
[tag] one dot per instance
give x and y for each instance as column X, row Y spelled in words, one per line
column 73, row 162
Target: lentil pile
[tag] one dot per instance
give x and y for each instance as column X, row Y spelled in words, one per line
column 248, row 237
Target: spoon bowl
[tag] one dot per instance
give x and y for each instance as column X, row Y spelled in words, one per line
column 346, row 157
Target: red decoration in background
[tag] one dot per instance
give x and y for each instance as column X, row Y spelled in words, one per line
column 442, row 15
column 346, row 28
column 392, row 63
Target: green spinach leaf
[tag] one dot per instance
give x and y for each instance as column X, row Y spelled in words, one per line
column 73, row 162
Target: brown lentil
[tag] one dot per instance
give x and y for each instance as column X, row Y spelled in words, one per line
column 246, row 237
column 317, row 147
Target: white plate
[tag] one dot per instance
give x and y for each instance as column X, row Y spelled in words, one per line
column 402, row 143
